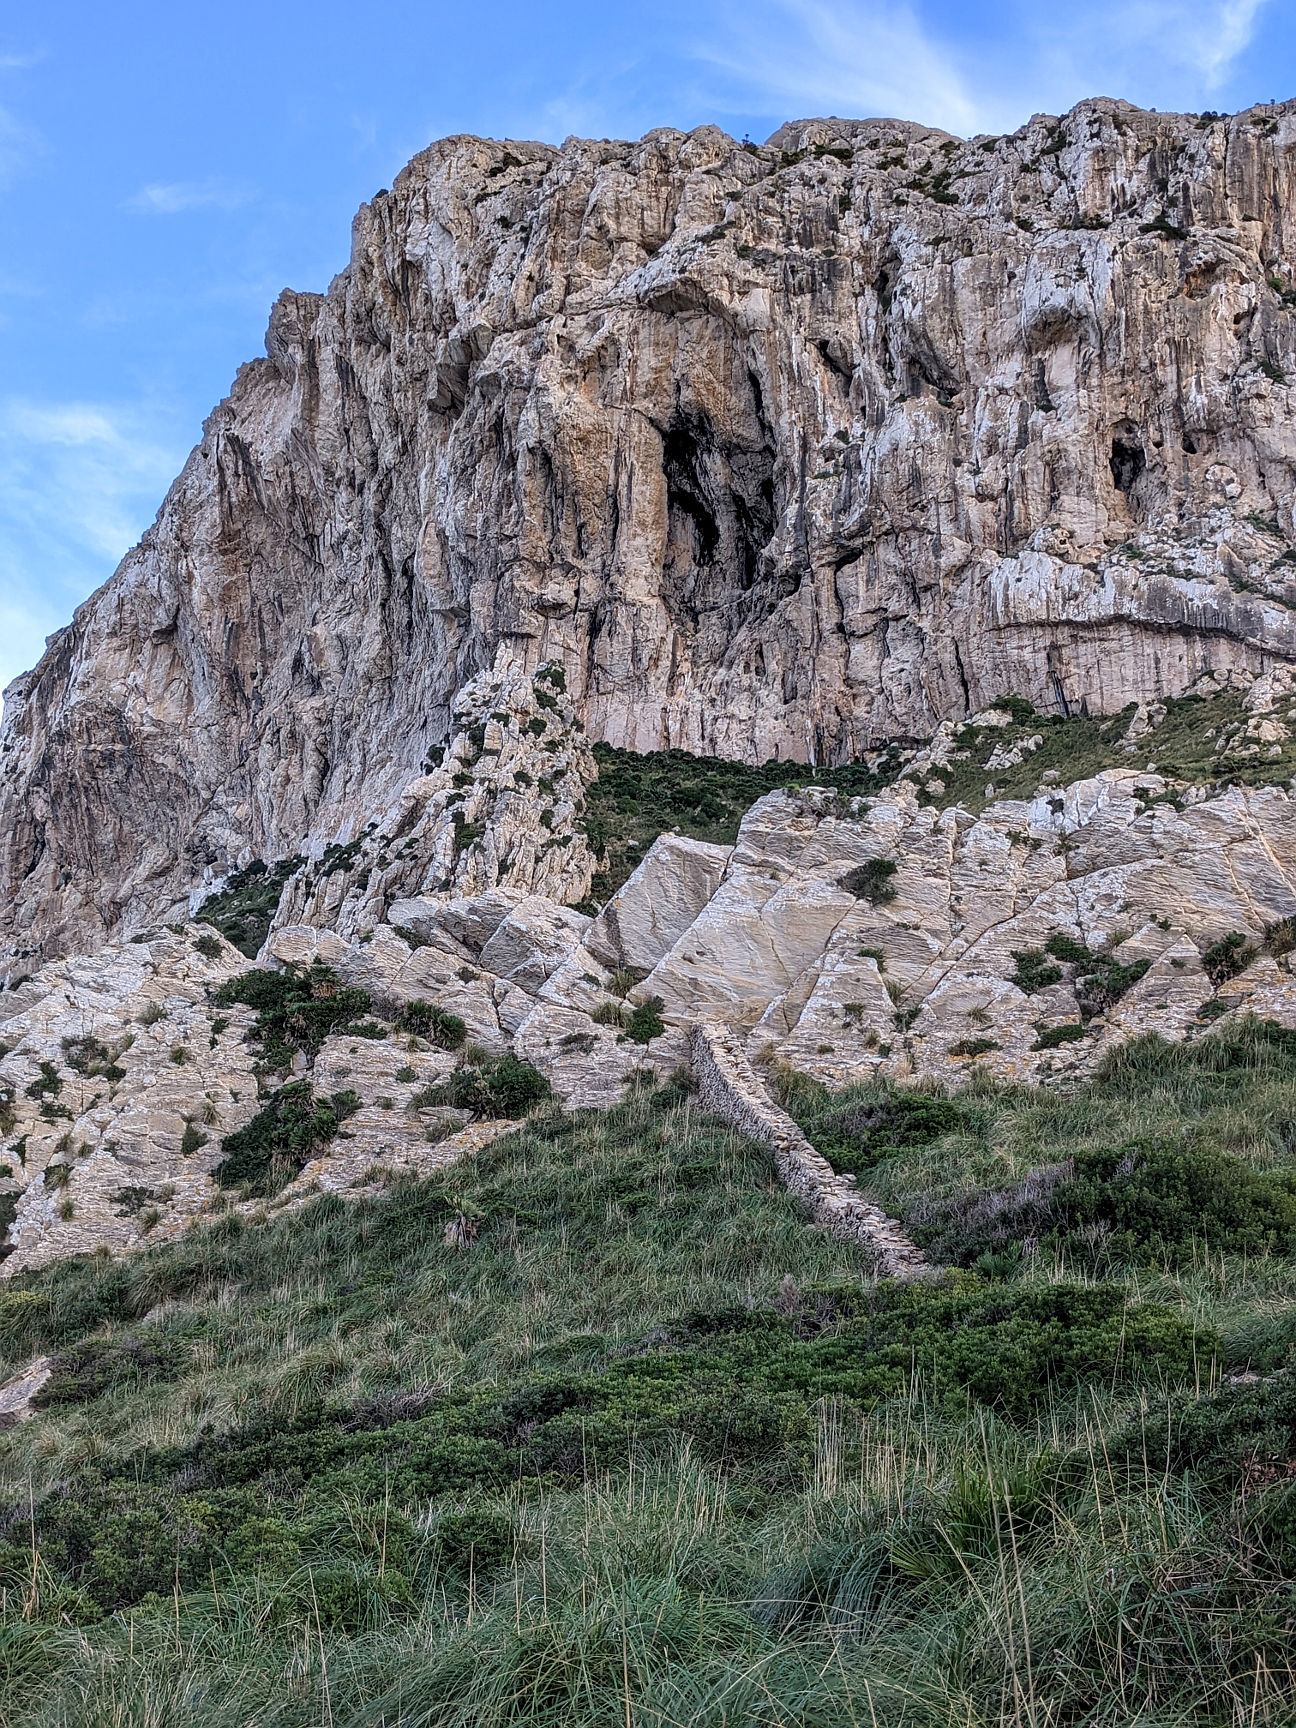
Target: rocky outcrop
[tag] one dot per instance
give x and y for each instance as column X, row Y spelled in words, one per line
column 17, row 1393
column 777, row 450
column 495, row 809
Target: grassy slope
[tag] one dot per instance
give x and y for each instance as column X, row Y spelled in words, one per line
column 642, row 1447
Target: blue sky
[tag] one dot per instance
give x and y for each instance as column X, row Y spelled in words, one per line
column 165, row 170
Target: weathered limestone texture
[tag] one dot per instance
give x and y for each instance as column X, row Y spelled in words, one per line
column 851, row 938
column 728, row 1086
column 497, row 811
column 17, row 1393
column 774, row 450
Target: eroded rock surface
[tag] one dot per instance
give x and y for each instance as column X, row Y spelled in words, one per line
column 779, row 450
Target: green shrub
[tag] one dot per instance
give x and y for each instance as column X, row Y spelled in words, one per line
column 91, row 1057
column 973, row 1047
column 426, row 1020
column 1033, row 970
column 295, row 1011
column 871, row 881
column 1051, row 1037
column 637, row 797
column 47, row 1084
column 646, row 1022
column 741, row 1386
column 1099, row 979
column 498, row 1086
column 859, row 1128
column 1153, row 1198
column 281, row 1139
column 1102, row 981
column 1228, row 957
column 1064, row 947
column 94, row 1366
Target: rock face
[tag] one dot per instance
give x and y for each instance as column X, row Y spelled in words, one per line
column 777, row 450
column 497, row 810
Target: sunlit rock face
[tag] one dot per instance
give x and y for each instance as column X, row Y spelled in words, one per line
column 775, row 451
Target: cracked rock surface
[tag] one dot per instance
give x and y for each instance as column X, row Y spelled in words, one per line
column 855, row 937
column 781, row 450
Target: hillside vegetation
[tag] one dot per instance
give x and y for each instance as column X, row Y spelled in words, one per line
column 1199, row 740
column 594, row 1429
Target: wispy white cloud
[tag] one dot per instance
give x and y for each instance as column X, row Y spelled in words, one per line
column 876, row 57
column 1176, row 50
column 79, row 483
column 170, row 198
column 850, row 57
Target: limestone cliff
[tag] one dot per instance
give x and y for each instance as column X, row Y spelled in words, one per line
column 777, row 450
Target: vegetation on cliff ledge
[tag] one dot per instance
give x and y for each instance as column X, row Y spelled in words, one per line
column 1200, row 741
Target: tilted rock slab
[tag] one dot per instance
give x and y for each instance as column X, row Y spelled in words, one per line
column 778, row 450
column 925, row 982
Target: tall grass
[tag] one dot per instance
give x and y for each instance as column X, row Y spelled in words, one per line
column 1121, row 1554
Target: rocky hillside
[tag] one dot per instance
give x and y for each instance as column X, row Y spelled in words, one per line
column 775, row 451
column 1015, row 902
column 648, row 967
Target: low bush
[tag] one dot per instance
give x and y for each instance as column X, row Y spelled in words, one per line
column 281, row 1139
column 1033, row 970
column 646, row 1023
column 427, row 1020
column 1155, row 1199
column 862, row 1126
column 492, row 1086
column 740, row 1386
column 871, row 881
column 1228, row 957
column 295, row 1010
column 91, row 1057
column 1052, row 1037
column 1143, row 1202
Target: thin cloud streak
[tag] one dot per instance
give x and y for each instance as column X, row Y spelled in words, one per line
column 803, row 57
column 174, row 197
column 1180, row 50
column 871, row 57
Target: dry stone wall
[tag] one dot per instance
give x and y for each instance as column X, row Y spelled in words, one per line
column 728, row 1086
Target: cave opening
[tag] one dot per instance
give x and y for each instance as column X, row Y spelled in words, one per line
column 721, row 511
column 1128, row 460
